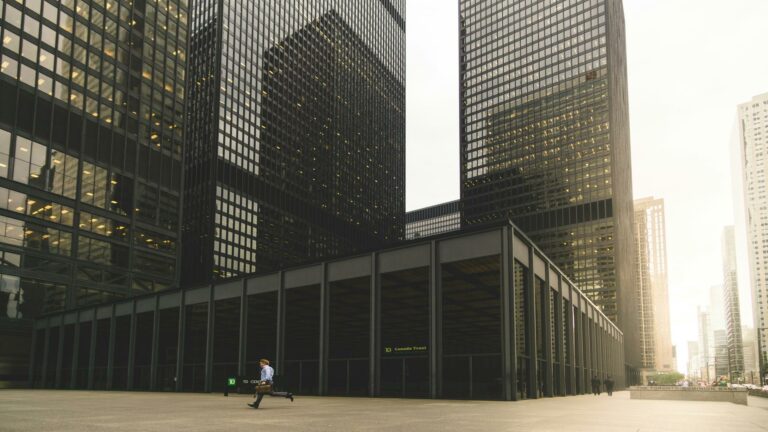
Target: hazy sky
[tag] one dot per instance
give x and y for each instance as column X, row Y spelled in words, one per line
column 690, row 63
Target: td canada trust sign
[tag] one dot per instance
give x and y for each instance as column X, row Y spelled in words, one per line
column 405, row 349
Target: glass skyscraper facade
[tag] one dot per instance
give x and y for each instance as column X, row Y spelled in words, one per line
column 91, row 134
column 297, row 133
column 545, row 136
column 433, row 220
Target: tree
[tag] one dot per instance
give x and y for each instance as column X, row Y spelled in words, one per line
column 666, row 378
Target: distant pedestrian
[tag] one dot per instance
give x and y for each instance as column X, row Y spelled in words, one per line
column 267, row 375
column 596, row 385
column 608, row 382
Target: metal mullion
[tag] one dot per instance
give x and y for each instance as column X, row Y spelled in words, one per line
column 374, row 334
column 46, row 338
column 75, row 353
column 155, row 346
column 243, row 336
column 324, row 324
column 548, row 354
column 507, row 316
column 435, row 349
column 92, row 350
column 132, row 346
column 530, row 313
column 32, row 355
column 210, row 325
column 111, row 348
column 280, row 348
column 180, row 342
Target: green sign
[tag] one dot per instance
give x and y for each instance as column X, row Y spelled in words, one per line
column 231, row 382
column 405, row 349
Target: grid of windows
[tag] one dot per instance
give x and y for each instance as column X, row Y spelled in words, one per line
column 753, row 131
column 91, row 134
column 434, row 220
column 297, row 110
column 539, row 132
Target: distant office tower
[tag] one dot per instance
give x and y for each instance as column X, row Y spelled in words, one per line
column 753, row 133
column 731, row 305
column 722, row 358
column 716, row 308
column 91, row 134
column 433, row 220
column 751, row 371
column 693, row 368
column 297, row 133
column 545, row 137
column 706, row 346
column 652, row 292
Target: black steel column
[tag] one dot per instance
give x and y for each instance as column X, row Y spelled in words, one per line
column 32, row 355
column 280, row 348
column 75, row 353
column 374, row 334
column 435, row 333
column 46, row 338
column 211, row 322
column 111, row 348
column 548, row 354
column 155, row 342
column 530, row 314
column 560, row 337
column 243, row 335
column 578, row 346
column 589, row 372
column 132, row 347
column 508, row 315
column 324, row 299
column 92, row 350
column 180, row 341
column 570, row 336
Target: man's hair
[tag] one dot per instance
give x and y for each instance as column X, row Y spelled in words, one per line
column 265, row 361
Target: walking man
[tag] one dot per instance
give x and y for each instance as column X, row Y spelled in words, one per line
column 596, row 385
column 608, row 385
column 267, row 374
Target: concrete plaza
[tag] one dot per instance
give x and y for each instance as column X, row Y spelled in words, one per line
column 50, row 410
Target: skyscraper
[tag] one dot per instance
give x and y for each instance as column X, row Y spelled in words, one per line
column 652, row 290
column 545, row 137
column 297, row 133
column 753, row 134
column 91, row 134
column 751, row 371
column 433, row 220
column 731, row 306
column 693, row 368
column 706, row 345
